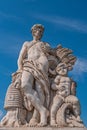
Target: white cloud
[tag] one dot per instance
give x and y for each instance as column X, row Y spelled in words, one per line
column 80, row 68
column 81, row 65
column 64, row 22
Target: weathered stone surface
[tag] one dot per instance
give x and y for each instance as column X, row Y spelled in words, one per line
column 41, row 92
column 42, row 128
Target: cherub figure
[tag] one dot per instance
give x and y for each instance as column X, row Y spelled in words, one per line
column 62, row 85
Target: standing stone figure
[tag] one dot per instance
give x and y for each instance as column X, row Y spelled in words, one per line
column 41, row 88
column 34, row 65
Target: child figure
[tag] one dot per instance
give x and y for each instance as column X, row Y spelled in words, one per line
column 62, row 85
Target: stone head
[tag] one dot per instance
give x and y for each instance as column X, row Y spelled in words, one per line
column 37, row 31
column 61, row 69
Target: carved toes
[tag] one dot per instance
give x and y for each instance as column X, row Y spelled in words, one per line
column 33, row 123
column 54, row 125
column 42, row 124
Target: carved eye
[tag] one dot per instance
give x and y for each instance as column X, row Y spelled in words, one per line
column 35, row 30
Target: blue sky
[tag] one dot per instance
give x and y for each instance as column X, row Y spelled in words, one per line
column 65, row 22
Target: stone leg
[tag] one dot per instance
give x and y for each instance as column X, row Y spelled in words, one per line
column 36, row 116
column 31, row 94
column 57, row 102
column 35, row 119
column 40, row 92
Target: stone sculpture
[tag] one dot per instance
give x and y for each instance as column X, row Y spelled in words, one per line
column 41, row 88
column 62, row 85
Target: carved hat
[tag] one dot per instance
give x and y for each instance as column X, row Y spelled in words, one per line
column 37, row 26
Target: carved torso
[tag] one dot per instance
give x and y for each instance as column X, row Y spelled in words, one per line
column 36, row 53
column 64, row 86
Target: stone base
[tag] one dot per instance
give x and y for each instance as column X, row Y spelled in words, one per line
column 42, row 128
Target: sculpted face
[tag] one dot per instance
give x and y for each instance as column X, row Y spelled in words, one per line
column 62, row 69
column 37, row 31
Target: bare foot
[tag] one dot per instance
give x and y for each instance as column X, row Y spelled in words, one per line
column 42, row 124
column 26, row 125
column 33, row 122
column 54, row 125
column 16, row 123
column 70, row 125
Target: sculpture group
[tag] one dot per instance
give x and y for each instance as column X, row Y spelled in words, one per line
column 41, row 92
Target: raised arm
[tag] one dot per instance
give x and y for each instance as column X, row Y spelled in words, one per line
column 22, row 56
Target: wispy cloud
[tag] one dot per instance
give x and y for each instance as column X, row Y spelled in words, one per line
column 80, row 69
column 11, row 44
column 11, row 17
column 1, row 114
column 63, row 22
column 10, row 50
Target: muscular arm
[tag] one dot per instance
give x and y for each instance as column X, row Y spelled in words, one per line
column 22, row 55
column 56, row 82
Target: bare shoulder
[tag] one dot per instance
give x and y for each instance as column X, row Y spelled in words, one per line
column 26, row 43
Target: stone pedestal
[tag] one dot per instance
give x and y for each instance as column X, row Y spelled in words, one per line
column 42, row 128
